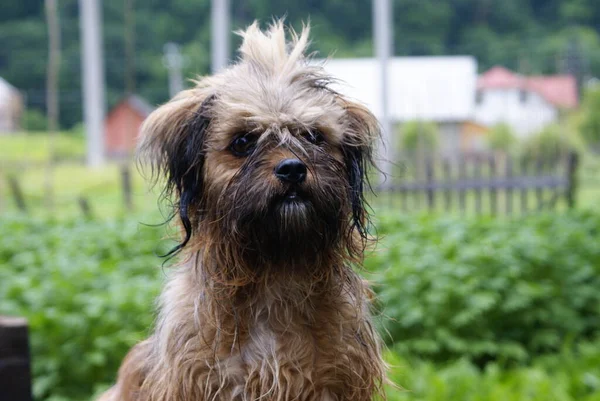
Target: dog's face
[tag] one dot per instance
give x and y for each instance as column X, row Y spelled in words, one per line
column 266, row 156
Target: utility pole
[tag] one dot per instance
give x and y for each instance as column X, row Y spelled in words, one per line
column 93, row 80
column 174, row 63
column 382, row 33
column 52, row 105
column 219, row 34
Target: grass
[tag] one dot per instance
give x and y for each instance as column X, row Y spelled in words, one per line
column 35, row 148
column 101, row 187
column 26, row 155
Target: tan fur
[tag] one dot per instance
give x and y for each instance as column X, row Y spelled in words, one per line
column 231, row 330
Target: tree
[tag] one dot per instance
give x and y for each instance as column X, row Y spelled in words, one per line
column 419, row 136
column 589, row 125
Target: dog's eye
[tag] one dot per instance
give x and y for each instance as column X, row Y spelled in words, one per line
column 243, row 145
column 315, row 137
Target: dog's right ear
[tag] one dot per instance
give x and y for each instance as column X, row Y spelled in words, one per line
column 172, row 144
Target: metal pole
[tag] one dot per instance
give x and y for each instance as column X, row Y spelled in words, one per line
column 219, row 34
column 382, row 33
column 93, row 80
column 174, row 63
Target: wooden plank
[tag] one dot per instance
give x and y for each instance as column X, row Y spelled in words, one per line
column 447, row 174
column 539, row 191
column 17, row 192
column 509, row 188
column 477, row 175
column 493, row 188
column 523, row 173
column 462, row 173
column 430, row 190
column 15, row 370
column 126, row 187
column 572, row 164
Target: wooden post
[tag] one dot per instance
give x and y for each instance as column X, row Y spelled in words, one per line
column 126, row 185
column 430, row 183
column 539, row 190
column 84, row 205
column 572, row 164
column 15, row 188
column 477, row 176
column 461, row 178
column 493, row 186
column 509, row 186
column 447, row 173
column 15, row 374
column 524, row 189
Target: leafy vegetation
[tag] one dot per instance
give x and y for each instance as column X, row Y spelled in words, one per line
column 571, row 375
column 590, row 119
column 419, row 136
column 472, row 290
column 488, row 289
column 501, row 137
column 551, row 142
column 532, row 36
column 87, row 289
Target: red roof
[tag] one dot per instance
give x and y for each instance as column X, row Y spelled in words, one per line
column 560, row 90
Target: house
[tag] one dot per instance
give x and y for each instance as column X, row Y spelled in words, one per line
column 122, row 125
column 436, row 89
column 11, row 108
column 526, row 103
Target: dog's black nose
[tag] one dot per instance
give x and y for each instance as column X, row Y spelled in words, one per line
column 291, row 170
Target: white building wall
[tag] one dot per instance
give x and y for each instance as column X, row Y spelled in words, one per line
column 506, row 106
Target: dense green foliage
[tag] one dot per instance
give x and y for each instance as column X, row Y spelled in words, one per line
column 488, row 289
column 418, row 136
column 590, row 118
column 450, row 288
column 501, row 137
column 551, row 142
column 87, row 290
column 568, row 376
column 533, row 36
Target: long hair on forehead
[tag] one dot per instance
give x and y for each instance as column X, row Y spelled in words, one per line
column 175, row 136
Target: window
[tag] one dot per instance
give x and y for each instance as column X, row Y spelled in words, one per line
column 479, row 97
column 523, row 96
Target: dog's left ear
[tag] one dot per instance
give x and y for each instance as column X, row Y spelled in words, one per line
column 173, row 145
column 357, row 148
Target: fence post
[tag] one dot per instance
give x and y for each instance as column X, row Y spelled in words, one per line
column 494, row 185
column 85, row 207
column 572, row 164
column 15, row 188
column 15, row 375
column 509, row 185
column 430, row 182
column 126, row 184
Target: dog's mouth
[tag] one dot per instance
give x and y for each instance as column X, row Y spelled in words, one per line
column 293, row 194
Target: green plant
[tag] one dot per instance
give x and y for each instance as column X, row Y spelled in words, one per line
column 34, row 120
column 87, row 290
column 589, row 123
column 501, row 137
column 487, row 289
column 571, row 375
column 551, row 142
column 418, row 136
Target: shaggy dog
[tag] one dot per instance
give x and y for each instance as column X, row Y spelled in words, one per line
column 266, row 165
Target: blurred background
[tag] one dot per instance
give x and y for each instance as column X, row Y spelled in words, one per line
column 488, row 267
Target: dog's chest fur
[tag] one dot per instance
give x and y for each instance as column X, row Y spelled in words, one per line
column 320, row 349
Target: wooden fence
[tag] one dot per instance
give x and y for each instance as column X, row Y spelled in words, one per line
column 481, row 184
